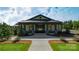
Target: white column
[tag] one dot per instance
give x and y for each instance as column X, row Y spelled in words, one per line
column 52, row 27
column 45, row 28
column 34, row 27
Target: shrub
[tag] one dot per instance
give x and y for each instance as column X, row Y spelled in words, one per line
column 76, row 38
column 16, row 40
column 62, row 39
column 5, row 32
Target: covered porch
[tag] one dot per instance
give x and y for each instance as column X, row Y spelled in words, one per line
column 39, row 27
column 39, row 24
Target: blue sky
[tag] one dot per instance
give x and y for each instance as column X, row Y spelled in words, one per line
column 12, row 15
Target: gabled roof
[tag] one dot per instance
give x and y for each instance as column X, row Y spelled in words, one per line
column 40, row 18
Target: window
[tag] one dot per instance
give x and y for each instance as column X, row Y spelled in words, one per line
column 53, row 27
column 23, row 26
column 27, row 28
column 30, row 26
column 49, row 27
column 58, row 27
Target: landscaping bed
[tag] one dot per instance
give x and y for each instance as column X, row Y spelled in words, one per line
column 58, row 45
column 22, row 45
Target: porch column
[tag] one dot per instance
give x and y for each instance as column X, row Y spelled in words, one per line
column 61, row 27
column 27, row 27
column 58, row 28
column 34, row 27
column 20, row 26
column 20, row 29
column 45, row 27
column 24, row 27
column 55, row 27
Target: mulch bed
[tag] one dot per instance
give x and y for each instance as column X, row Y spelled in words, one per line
column 59, row 41
column 21, row 41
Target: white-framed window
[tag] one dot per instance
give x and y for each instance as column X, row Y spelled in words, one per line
column 27, row 28
column 30, row 26
column 58, row 27
column 22, row 25
column 53, row 27
column 49, row 27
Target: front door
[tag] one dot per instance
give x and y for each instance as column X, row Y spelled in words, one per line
column 40, row 28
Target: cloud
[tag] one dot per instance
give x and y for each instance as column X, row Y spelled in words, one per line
column 14, row 14
column 40, row 10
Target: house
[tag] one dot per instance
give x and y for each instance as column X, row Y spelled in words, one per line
column 39, row 24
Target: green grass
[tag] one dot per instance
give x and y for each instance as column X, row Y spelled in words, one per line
column 14, row 47
column 64, row 47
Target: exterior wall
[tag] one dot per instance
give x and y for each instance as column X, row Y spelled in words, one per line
column 32, row 27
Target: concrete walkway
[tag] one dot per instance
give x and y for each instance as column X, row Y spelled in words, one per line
column 40, row 45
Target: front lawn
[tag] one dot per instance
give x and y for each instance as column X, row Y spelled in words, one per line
column 65, row 46
column 14, row 47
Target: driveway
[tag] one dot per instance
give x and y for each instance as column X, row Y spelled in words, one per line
column 40, row 45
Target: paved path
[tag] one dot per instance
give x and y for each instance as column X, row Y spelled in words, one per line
column 40, row 45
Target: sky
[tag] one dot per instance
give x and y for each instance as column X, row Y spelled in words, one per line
column 12, row 15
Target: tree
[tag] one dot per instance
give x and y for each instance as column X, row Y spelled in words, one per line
column 71, row 24
column 5, row 32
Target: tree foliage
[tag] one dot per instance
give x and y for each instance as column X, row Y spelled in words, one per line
column 5, row 31
column 71, row 24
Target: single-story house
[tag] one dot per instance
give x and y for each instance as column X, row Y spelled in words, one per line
column 39, row 24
